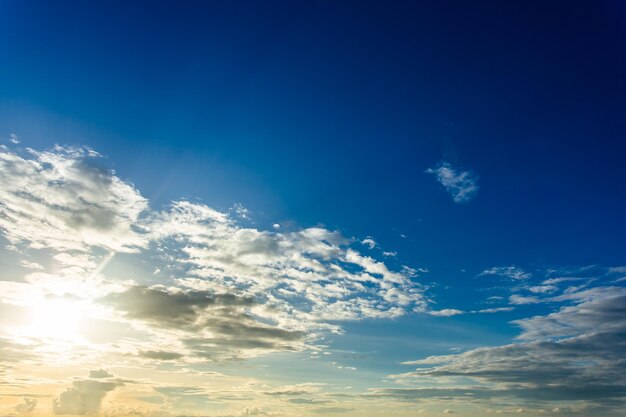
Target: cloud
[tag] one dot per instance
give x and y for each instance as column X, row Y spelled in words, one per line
column 60, row 200
column 369, row 242
column 83, row 397
column 214, row 326
column 308, row 276
column 446, row 312
column 160, row 355
column 243, row 288
column 575, row 353
column 461, row 185
column 511, row 272
column 28, row 404
column 294, row 390
column 99, row 373
column 495, row 310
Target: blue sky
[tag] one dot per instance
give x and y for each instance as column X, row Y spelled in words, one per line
column 473, row 151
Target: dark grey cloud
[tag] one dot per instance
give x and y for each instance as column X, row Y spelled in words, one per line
column 217, row 326
column 181, row 310
column 160, row 355
column 575, row 354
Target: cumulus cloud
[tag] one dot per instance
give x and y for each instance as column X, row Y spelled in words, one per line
column 461, row 185
column 83, row 397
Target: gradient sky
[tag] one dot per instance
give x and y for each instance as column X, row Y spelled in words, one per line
column 312, row 208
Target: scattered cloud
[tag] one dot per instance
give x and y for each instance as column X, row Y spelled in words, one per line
column 245, row 289
column 461, row 185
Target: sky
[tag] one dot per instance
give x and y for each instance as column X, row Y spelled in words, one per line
column 362, row 209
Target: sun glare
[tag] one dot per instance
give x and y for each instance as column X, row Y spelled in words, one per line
column 54, row 319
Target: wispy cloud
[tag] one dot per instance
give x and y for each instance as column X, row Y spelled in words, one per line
column 511, row 272
column 461, row 185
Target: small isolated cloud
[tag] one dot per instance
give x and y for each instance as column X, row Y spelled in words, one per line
column 369, row 242
column 461, row 185
column 511, row 272
column 14, row 138
column 446, row 312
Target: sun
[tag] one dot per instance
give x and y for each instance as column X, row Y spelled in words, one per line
column 54, row 319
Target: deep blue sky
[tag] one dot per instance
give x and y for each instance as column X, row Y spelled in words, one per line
column 330, row 112
column 354, row 116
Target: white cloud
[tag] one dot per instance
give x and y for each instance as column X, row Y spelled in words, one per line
column 60, row 200
column 495, row 310
column 302, row 281
column 511, row 272
column 461, row 185
column 369, row 242
column 446, row 312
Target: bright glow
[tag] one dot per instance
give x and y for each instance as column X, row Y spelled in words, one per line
column 54, row 319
